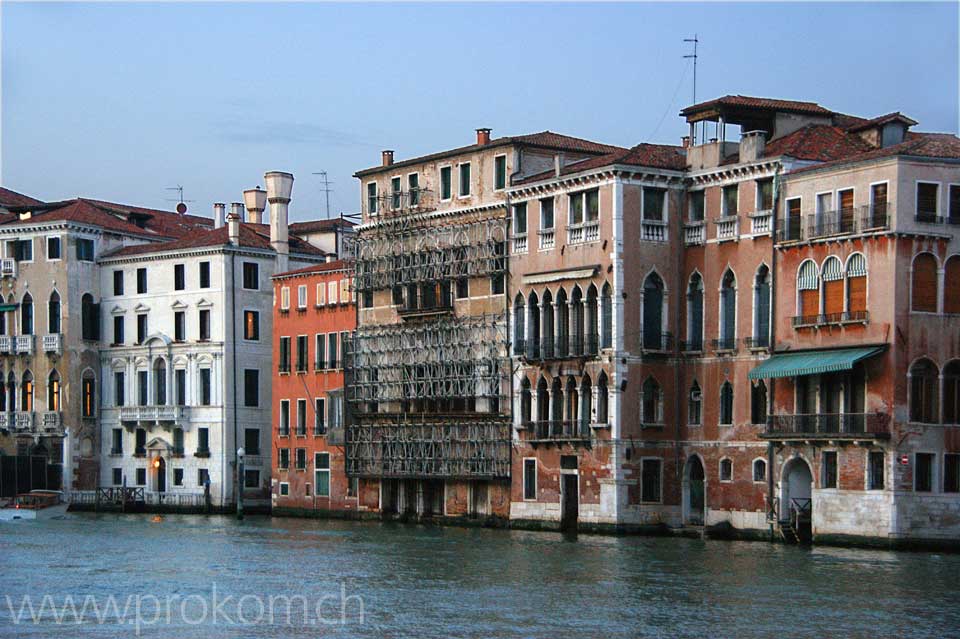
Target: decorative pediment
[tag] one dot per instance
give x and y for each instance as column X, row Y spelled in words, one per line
column 116, row 310
column 159, row 445
column 141, row 308
column 203, row 303
column 178, row 305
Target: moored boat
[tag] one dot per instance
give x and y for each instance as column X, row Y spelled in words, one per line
column 37, row 504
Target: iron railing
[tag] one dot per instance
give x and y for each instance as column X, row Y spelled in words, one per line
column 725, row 344
column 829, row 424
column 757, row 341
column 824, row 319
column 656, row 341
column 559, row 430
column 858, row 219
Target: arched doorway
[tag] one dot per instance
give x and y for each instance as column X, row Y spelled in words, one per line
column 160, row 466
column 796, row 483
column 694, row 494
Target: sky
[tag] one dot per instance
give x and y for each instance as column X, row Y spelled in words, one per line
column 122, row 101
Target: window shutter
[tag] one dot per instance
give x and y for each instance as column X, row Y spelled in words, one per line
column 833, row 297
column 729, row 314
column 924, row 284
column 763, row 310
column 951, row 283
column 809, row 303
column 858, row 294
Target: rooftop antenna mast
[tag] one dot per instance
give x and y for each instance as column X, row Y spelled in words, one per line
column 693, row 55
column 181, row 203
column 326, row 190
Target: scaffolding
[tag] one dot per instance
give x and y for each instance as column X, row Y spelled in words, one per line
column 427, row 392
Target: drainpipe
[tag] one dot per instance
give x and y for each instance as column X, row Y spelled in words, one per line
column 233, row 349
column 773, row 335
column 679, row 378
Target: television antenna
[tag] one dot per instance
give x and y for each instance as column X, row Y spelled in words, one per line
column 181, row 203
column 326, row 190
column 693, row 55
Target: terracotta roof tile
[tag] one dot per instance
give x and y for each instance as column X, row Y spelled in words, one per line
column 250, row 237
column 658, row 156
column 83, row 212
column 749, row 102
column 944, row 146
column 896, row 116
column 336, row 265
column 315, row 226
column 12, row 198
column 819, row 143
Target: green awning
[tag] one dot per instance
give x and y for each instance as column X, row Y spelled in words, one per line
column 812, row 362
column 7, row 307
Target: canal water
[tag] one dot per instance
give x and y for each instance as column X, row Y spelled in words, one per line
column 204, row 577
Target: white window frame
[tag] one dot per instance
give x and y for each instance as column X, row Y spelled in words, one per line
column 665, row 212
column 440, row 182
column 375, row 210
column 410, row 189
column 243, row 269
column 317, row 471
column 280, row 425
column 753, row 470
column 302, row 297
column 284, row 489
column 460, row 194
column 817, row 210
column 332, row 293
column 916, row 193
column 243, row 319
column 396, row 195
column 321, row 294
column 320, row 348
column 720, row 470
column 723, row 201
column 284, row 298
column 936, row 485
column 344, row 290
column 535, row 473
column 59, row 238
column 504, row 187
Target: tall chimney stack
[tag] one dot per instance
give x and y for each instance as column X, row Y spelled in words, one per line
column 279, row 188
column 256, row 201
column 219, row 209
column 233, row 223
column 483, row 137
column 387, row 157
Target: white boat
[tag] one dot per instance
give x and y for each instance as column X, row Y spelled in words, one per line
column 37, row 504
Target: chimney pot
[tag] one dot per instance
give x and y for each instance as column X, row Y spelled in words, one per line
column 279, row 188
column 256, row 201
column 233, row 225
column 483, row 137
column 387, row 157
column 219, row 209
column 685, row 141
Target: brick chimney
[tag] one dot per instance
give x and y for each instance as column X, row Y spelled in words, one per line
column 387, row 157
column 483, row 137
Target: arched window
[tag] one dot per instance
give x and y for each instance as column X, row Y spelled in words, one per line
column 3, row 396
column 651, row 411
column 728, row 310
column 832, row 289
column 758, row 403
column 519, row 324
column 562, row 324
column 695, row 405
column 160, row 382
column 606, row 317
column 547, row 337
column 923, row 392
column 576, row 316
column 951, row 284
column 88, row 395
column 653, row 313
column 53, row 313
column 586, row 413
column 26, row 315
column 573, row 403
column 90, row 317
column 592, row 321
column 26, row 392
column 526, row 402
column 759, row 470
column 924, row 284
column 543, row 402
column 556, row 407
column 761, row 307
column 951, row 393
column 726, row 470
column 856, row 287
column 602, row 399
column 11, row 391
column 53, row 391
column 533, row 326
column 808, row 289
column 726, row 404
column 695, row 313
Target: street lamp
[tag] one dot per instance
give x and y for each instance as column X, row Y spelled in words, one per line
column 240, row 454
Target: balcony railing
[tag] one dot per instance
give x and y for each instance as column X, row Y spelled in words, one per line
column 8, row 267
column 656, row 341
column 827, row 319
column 558, row 430
column 829, row 425
column 728, row 228
column 860, row 219
column 283, row 367
column 761, row 222
column 23, row 421
column 6, row 344
column 758, row 341
column 692, row 346
column 23, row 344
column 548, row 238
column 155, row 413
column 52, row 421
column 520, row 243
column 694, row 234
column 584, row 232
column 426, row 307
column 725, row 344
column 653, row 231
column 53, row 343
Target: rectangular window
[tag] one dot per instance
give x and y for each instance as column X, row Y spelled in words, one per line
column 141, row 477
column 203, row 440
column 828, row 463
column 875, row 462
column 464, row 179
column 251, row 276
column 53, row 248
column 301, row 417
column 335, row 408
column 141, row 328
column 284, row 364
column 463, row 288
column 344, row 348
column 497, row 281
column 119, row 388
column 576, row 209
column 954, row 210
column 697, row 206
column 284, row 424
column 765, row 194
column 141, row 281
column 331, row 293
column 85, row 250
column 24, row 250
column 650, row 480
column 546, row 214
column 654, row 204
column 319, row 416
column 332, row 351
column 319, row 362
column 301, row 458
column 251, row 441
column 251, row 479
column 520, row 218
column 205, row 387
column 284, row 486
column 251, row 387
column 88, row 396
column 372, row 198
column 118, row 329
column 179, row 326
column 179, row 277
column 413, row 186
column 928, row 196
column 301, row 297
column 178, row 477
column 118, row 282
column 923, row 474
column 204, row 325
column 353, row 486
column 529, row 478
column 321, row 470
column 446, row 190
column 500, row 172
column 302, row 365
column 116, row 447
column 117, row 476
column 284, row 298
column 396, row 192
column 367, row 300
column 204, row 274
column 142, row 389
column 321, row 294
column 203, row 477
column 284, row 460
column 951, row 473
column 180, row 379
column 140, row 442
column 251, row 325
column 730, row 201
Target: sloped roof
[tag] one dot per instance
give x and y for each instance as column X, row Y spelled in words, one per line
column 250, row 237
column 543, row 139
column 750, row 102
column 82, row 212
column 896, row 116
column 325, row 267
column 163, row 222
column 318, row 226
column 944, row 146
column 658, row 156
column 12, row 198
column 819, row 143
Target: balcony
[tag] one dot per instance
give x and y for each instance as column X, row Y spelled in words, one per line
column 23, row 344
column 8, row 267
column 830, row 319
column 761, row 222
column 558, row 431
column 548, row 238
column 758, row 342
column 52, row 421
column 725, row 345
column 655, row 342
column 694, row 234
column 584, row 232
column 728, row 228
column 692, row 346
column 832, row 426
column 22, row 421
column 852, row 221
column 426, row 308
column 153, row 414
column 6, row 344
column 53, row 343
column 520, row 243
column 653, row 231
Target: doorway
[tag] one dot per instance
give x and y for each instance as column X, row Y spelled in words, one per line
column 161, row 467
column 694, row 498
column 796, row 483
column 570, row 503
